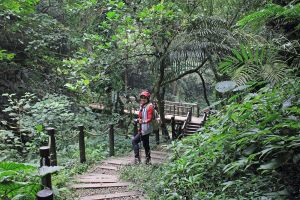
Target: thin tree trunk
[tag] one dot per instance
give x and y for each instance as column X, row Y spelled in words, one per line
column 160, row 95
column 204, row 88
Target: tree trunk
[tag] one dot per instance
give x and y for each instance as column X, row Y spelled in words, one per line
column 204, row 88
column 160, row 95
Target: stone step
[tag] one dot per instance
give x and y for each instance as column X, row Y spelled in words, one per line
column 96, row 176
column 110, row 167
column 99, row 185
column 119, row 161
column 111, row 196
column 154, row 157
column 96, row 180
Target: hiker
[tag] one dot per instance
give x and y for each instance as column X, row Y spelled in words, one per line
column 145, row 127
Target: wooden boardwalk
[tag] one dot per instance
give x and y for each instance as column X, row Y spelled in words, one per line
column 103, row 182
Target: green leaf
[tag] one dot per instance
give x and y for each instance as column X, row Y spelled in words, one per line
column 86, row 82
column 244, row 53
column 13, row 166
column 111, row 14
column 39, row 128
column 237, row 54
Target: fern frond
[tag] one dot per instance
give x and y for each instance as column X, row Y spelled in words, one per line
column 274, row 72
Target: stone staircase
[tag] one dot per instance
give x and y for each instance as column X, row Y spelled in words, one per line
column 103, row 182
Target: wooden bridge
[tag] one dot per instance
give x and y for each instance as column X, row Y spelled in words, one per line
column 186, row 118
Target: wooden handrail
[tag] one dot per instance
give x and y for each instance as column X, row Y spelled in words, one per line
column 188, row 119
column 171, row 108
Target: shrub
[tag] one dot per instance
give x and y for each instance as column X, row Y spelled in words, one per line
column 250, row 150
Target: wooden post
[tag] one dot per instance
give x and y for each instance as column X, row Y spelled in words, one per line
column 174, row 109
column 198, row 111
column 81, row 144
column 45, row 194
column 111, row 141
column 135, row 127
column 45, row 161
column 173, row 127
column 53, row 158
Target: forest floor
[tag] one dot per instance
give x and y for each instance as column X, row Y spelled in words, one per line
column 103, row 181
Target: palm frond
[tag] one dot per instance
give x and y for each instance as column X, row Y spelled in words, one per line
column 253, row 64
column 281, row 15
column 207, row 22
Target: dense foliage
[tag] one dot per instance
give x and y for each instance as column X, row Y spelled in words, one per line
column 249, row 150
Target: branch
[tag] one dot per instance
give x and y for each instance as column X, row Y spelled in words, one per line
column 204, row 88
column 136, row 55
column 185, row 73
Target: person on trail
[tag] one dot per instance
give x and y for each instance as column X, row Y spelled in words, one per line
column 145, row 127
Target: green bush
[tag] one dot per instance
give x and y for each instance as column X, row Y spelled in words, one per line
column 250, row 150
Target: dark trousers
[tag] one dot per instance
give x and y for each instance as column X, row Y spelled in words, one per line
column 135, row 143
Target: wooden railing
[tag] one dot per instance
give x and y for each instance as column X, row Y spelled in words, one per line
column 49, row 156
column 181, row 109
column 170, row 107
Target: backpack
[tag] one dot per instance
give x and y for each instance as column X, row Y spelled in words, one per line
column 156, row 121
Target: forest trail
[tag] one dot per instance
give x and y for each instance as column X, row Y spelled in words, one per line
column 103, row 182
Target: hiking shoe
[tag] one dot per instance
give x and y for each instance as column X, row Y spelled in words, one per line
column 137, row 161
column 148, row 161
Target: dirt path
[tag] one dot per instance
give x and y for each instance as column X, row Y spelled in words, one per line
column 102, row 182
